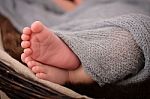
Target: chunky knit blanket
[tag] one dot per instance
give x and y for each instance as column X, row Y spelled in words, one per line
column 110, row 37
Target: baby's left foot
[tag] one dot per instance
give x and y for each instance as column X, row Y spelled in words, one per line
column 42, row 45
column 50, row 73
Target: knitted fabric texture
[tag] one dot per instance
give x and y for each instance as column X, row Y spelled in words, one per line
column 110, row 53
column 110, row 37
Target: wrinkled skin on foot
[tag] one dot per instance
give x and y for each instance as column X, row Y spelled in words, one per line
column 11, row 42
column 49, row 57
column 42, row 45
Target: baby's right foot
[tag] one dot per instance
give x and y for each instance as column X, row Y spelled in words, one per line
column 58, row 75
column 49, row 73
column 44, row 46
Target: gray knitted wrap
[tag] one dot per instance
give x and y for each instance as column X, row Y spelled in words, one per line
column 110, row 37
column 104, row 65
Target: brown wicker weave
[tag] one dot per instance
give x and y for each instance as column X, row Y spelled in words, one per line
column 16, row 86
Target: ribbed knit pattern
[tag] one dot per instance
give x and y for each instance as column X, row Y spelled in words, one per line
column 110, row 37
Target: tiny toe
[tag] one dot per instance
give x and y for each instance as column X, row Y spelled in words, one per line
column 27, row 59
column 25, row 44
column 31, row 64
column 41, row 76
column 25, row 37
column 37, row 69
column 28, row 51
column 37, row 27
column 27, row 30
column 23, row 56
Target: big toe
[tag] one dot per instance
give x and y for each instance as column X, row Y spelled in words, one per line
column 37, row 27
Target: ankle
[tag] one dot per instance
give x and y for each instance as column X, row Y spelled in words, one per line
column 79, row 76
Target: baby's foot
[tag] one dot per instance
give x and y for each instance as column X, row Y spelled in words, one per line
column 50, row 73
column 44, row 46
column 58, row 75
